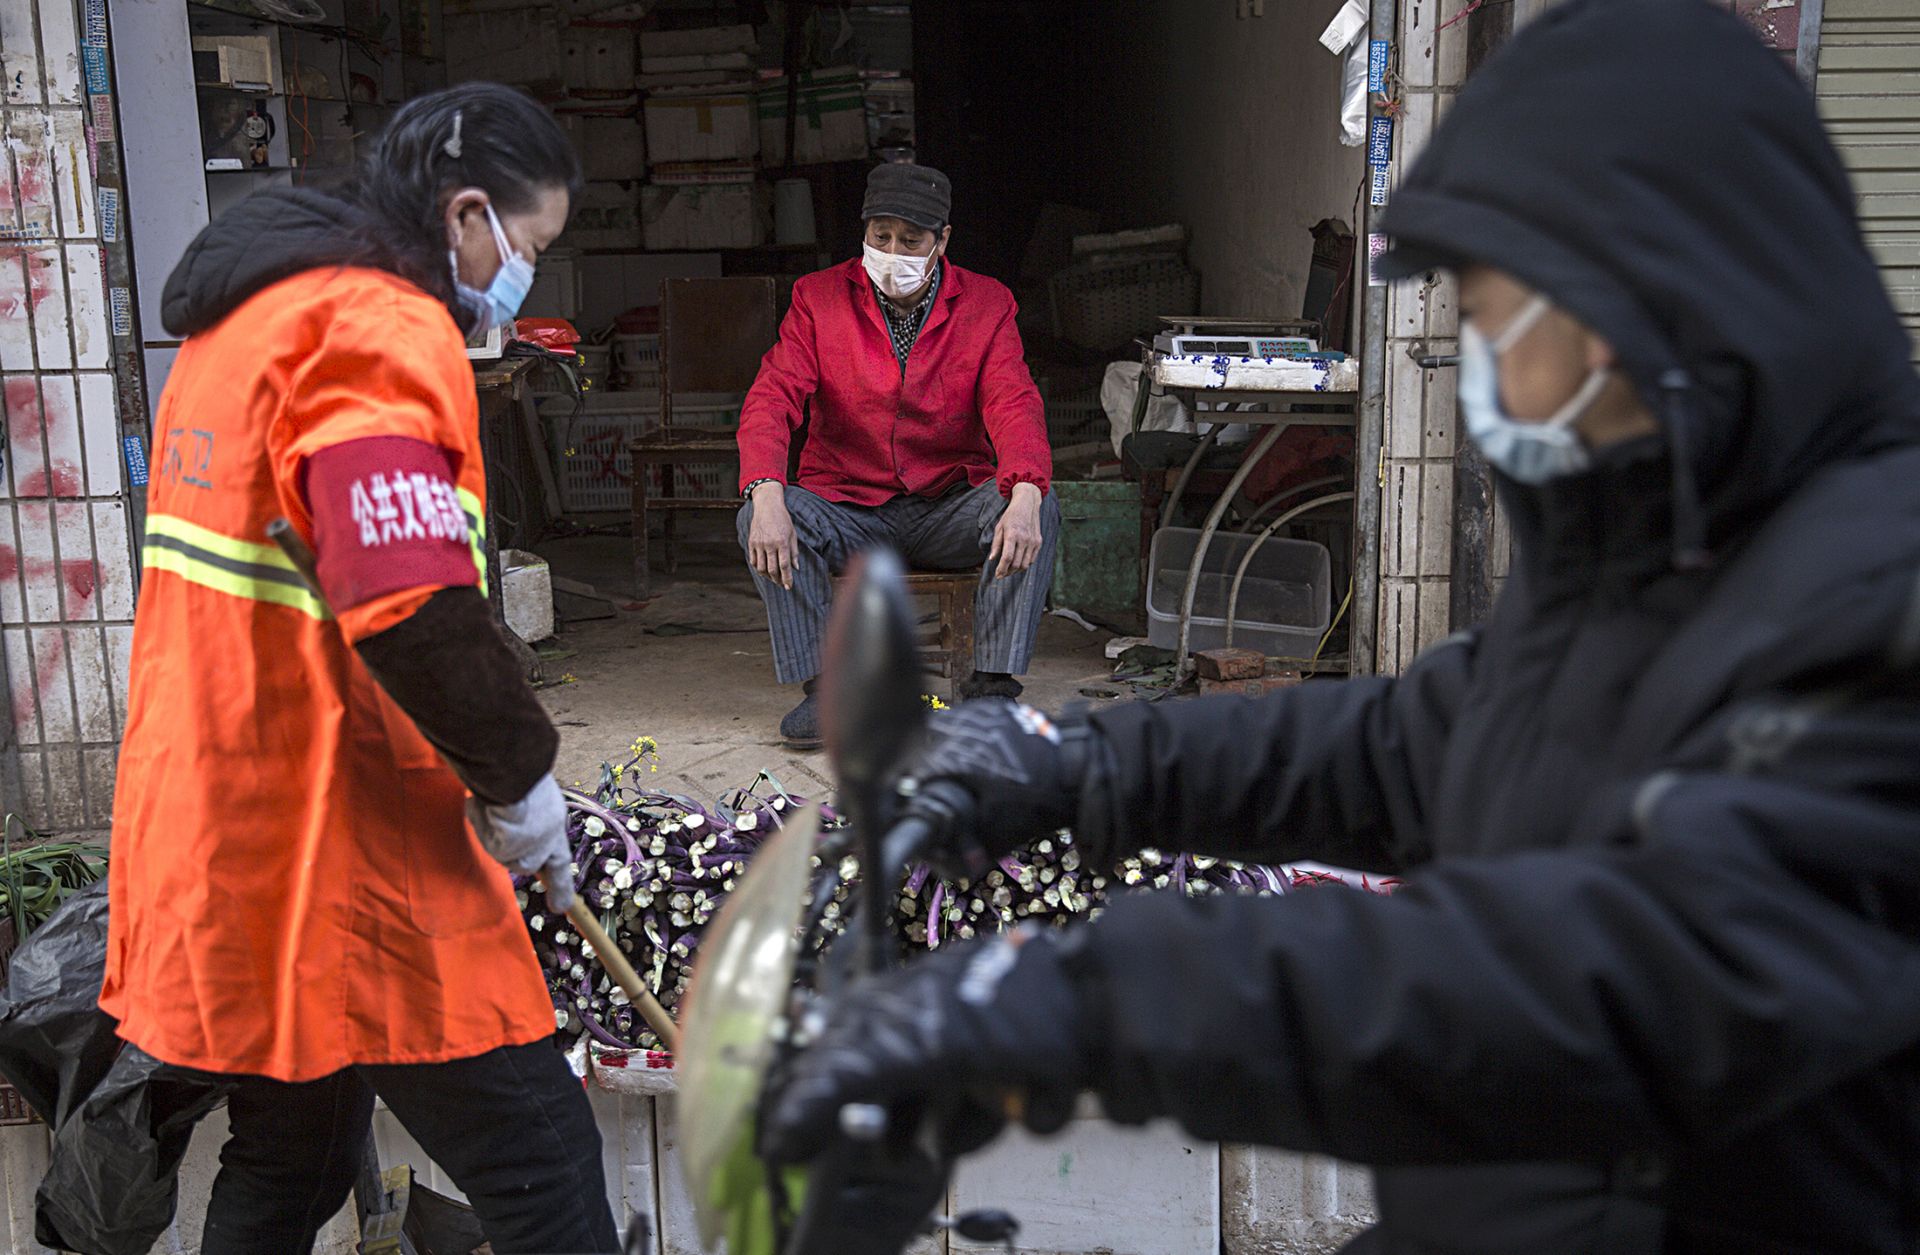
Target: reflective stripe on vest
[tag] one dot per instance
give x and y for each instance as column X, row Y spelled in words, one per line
column 259, row 572
column 239, row 568
column 476, row 533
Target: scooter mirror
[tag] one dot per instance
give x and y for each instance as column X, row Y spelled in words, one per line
column 871, row 713
column 870, row 703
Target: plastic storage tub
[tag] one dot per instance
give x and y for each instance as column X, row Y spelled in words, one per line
column 1286, row 599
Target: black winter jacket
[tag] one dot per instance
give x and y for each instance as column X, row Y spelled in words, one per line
column 1654, row 983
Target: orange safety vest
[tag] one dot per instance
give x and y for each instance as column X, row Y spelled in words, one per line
column 295, row 888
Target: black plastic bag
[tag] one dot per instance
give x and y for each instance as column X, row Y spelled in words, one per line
column 55, row 1041
column 121, row 1119
column 112, row 1181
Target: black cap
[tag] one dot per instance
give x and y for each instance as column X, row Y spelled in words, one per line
column 917, row 194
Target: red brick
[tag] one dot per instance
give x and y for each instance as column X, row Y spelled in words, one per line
column 1251, row 688
column 1230, row 664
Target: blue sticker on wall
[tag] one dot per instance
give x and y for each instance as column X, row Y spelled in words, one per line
column 136, row 460
column 96, row 32
column 110, row 215
column 1377, row 66
column 1380, row 142
column 120, row 301
column 94, row 57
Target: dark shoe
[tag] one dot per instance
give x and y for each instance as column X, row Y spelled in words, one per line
column 801, row 728
column 990, row 684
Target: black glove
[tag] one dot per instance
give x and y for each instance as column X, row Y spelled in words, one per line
column 964, row 1039
column 874, row 1203
column 1019, row 776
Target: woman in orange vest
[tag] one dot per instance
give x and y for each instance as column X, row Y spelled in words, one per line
column 299, row 903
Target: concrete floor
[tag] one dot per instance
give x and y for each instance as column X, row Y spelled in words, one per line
column 709, row 698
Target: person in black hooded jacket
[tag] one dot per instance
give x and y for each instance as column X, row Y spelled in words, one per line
column 1654, row 981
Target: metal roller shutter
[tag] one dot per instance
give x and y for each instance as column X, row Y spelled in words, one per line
column 1869, row 89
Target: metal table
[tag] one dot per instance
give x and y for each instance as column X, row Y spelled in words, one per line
column 1277, row 383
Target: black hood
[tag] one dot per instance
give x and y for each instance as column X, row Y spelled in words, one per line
column 267, row 237
column 1657, row 172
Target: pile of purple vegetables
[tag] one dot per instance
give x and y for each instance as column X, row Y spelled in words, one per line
column 656, row 868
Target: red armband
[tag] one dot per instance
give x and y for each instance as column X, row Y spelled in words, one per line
column 386, row 517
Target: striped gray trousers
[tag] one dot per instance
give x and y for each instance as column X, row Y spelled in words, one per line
column 949, row 533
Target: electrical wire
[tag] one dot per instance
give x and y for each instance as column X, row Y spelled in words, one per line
column 1339, row 615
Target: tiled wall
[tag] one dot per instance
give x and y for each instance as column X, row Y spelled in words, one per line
column 1416, row 507
column 66, row 563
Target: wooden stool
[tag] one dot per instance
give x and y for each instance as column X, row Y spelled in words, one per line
column 946, row 645
column 948, row 649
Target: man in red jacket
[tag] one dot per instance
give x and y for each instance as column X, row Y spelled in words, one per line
column 925, row 432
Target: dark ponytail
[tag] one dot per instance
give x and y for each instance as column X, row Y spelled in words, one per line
column 472, row 135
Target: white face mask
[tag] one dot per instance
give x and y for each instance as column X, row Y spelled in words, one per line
column 899, row 275
column 1531, row 453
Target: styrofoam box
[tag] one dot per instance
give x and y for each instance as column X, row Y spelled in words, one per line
column 606, row 215
column 702, row 125
column 597, row 57
column 612, row 148
column 706, row 216
column 516, row 46
column 526, row 594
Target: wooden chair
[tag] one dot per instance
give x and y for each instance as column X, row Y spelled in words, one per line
column 713, row 333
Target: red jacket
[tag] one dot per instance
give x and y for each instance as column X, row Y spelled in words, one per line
column 966, row 409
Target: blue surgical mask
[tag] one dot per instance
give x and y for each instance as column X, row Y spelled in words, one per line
column 1531, row 453
column 500, row 304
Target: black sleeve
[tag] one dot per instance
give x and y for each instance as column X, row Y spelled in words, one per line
column 1335, row 771
column 448, row 667
column 1758, row 947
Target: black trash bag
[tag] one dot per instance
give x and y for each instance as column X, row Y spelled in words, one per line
column 112, row 1180
column 55, row 1041
column 121, row 1119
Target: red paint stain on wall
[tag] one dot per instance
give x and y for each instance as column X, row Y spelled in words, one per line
column 82, row 577
column 9, row 562
column 52, row 654
column 25, row 419
column 61, row 481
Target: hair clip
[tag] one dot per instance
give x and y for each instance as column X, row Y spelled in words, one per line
column 452, row 146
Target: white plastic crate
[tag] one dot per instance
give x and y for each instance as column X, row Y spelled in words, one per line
column 590, row 454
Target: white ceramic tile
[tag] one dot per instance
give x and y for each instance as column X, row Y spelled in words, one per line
column 16, row 322
column 60, row 52
column 78, row 578
column 17, row 650
column 1441, row 419
column 1275, row 1200
column 55, row 692
column 1406, row 393
column 23, row 1161
column 1436, row 518
column 24, row 447
column 1400, row 520
column 47, row 294
column 100, row 435
column 101, row 763
column 119, row 657
column 65, row 473
column 38, row 560
column 33, row 780
column 30, row 140
column 113, row 560
column 12, row 603
column 19, row 52
column 92, row 693
column 87, row 292
column 1435, row 613
column 1450, row 56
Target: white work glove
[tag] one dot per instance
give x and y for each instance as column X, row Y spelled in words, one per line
column 530, row 836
